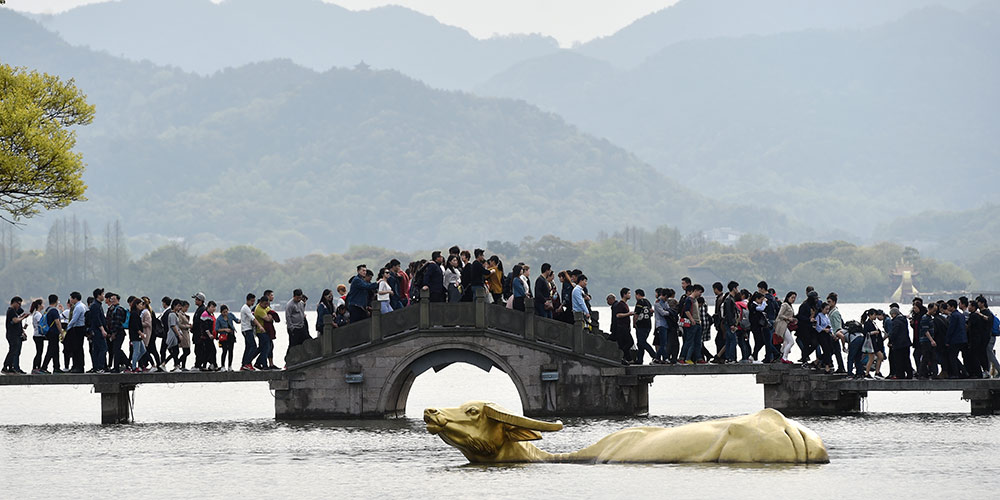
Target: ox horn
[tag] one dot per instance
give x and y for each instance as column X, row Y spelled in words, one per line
column 501, row 414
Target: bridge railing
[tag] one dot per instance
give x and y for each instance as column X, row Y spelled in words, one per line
column 460, row 316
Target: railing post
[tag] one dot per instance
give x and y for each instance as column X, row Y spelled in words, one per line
column 326, row 342
column 479, row 302
column 578, row 332
column 425, row 309
column 529, row 323
column 115, row 402
column 375, row 323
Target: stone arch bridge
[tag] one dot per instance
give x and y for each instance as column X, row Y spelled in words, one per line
column 366, row 369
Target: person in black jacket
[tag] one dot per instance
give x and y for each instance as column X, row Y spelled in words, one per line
column 543, row 292
column 899, row 347
column 979, row 329
column 476, row 273
column 434, row 277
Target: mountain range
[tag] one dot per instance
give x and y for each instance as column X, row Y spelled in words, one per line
column 842, row 129
column 295, row 161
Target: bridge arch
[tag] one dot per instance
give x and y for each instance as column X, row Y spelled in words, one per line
column 395, row 391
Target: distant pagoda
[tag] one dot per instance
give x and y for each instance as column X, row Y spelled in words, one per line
column 906, row 291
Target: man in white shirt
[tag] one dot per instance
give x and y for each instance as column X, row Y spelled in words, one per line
column 247, row 322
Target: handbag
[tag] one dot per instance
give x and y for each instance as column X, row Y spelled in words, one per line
column 868, row 347
column 548, row 305
column 793, row 325
column 777, row 339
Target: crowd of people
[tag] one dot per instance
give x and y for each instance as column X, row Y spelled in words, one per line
column 944, row 339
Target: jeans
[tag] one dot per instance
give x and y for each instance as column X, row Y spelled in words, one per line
column 138, row 351
column 384, row 307
column 265, row 350
column 992, row 355
column 730, row 346
column 99, row 351
column 12, row 361
column 36, row 363
column 251, row 347
column 692, row 343
column 854, row 356
column 661, row 346
column 641, row 334
column 53, row 352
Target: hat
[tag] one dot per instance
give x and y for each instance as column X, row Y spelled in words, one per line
column 200, row 296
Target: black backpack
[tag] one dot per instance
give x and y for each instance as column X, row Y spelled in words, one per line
column 164, row 323
column 158, row 330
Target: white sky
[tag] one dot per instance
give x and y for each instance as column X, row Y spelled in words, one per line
column 568, row 21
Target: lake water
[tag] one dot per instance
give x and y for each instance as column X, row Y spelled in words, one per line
column 220, row 441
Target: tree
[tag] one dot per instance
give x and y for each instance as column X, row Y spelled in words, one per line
column 38, row 168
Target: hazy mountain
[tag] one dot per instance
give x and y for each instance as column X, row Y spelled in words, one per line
column 201, row 36
column 704, row 19
column 294, row 161
column 844, row 129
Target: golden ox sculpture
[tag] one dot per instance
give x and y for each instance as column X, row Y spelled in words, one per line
column 487, row 433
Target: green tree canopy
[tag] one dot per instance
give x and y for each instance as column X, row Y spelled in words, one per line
column 38, row 168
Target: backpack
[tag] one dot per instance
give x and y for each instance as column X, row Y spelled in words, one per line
column 996, row 326
column 44, row 326
column 164, row 322
column 128, row 316
column 507, row 285
column 158, row 331
column 743, row 321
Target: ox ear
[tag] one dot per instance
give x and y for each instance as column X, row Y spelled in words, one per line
column 514, row 433
column 498, row 413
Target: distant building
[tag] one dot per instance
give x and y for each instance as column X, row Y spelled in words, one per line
column 723, row 235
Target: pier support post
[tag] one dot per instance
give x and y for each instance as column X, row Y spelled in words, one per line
column 115, row 402
column 983, row 401
column 794, row 391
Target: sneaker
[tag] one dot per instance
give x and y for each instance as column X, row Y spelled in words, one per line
column 755, row 362
column 688, row 362
column 701, row 362
column 176, row 369
column 58, row 371
column 247, row 368
column 275, row 367
column 787, row 362
column 100, row 371
column 20, row 372
column 37, row 371
column 879, row 376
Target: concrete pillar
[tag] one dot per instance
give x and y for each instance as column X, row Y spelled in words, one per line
column 425, row 309
column 794, row 391
column 116, row 404
column 983, row 401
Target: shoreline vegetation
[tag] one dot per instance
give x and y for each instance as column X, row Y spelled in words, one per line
column 75, row 259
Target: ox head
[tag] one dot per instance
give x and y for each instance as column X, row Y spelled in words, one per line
column 483, row 431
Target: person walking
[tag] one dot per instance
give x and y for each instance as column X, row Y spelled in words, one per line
column 783, row 326
column 200, row 340
column 295, row 319
column 621, row 319
column 135, row 333
column 225, row 328
column 452, row 276
column 98, row 333
column 76, row 330
column 172, row 342
column 643, row 321
column 899, row 346
column 53, row 329
column 15, row 336
column 185, row 326
column 384, row 293
column 434, row 278
column 37, row 335
column 957, row 340
column 117, row 322
column 209, row 337
column 927, row 368
column 249, row 326
column 543, row 293
column 262, row 316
